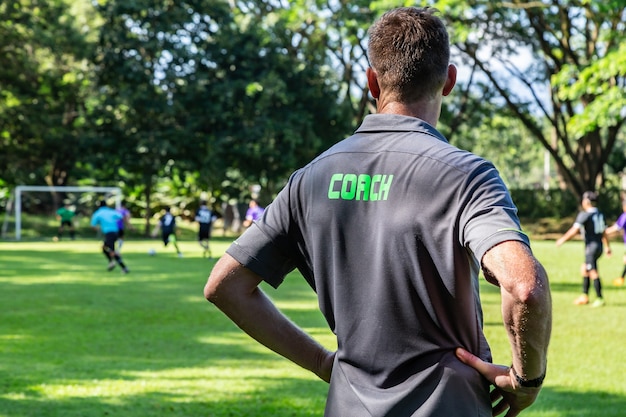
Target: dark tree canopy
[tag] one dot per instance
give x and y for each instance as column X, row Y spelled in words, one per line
column 568, row 88
column 173, row 99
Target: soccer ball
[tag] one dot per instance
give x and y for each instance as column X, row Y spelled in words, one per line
column 151, row 252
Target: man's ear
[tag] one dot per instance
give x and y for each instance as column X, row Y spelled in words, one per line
column 450, row 81
column 372, row 82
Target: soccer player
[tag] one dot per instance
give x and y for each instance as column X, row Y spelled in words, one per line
column 205, row 218
column 122, row 225
column 590, row 223
column 254, row 213
column 105, row 219
column 66, row 215
column 167, row 225
column 620, row 224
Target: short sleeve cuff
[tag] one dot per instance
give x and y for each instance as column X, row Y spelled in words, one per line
column 256, row 251
column 500, row 236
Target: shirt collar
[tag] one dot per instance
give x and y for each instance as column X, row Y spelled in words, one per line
column 397, row 123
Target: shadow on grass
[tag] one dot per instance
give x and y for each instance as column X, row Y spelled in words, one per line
column 561, row 402
column 69, row 331
column 76, row 340
column 276, row 398
column 269, row 402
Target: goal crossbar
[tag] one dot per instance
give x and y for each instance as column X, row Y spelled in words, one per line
column 116, row 191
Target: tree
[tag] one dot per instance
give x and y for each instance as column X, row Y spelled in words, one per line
column 44, row 82
column 272, row 98
column 559, row 68
column 146, row 57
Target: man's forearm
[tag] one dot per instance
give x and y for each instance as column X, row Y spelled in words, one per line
column 237, row 295
column 267, row 325
column 528, row 321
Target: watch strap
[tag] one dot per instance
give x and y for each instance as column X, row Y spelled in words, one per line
column 528, row 383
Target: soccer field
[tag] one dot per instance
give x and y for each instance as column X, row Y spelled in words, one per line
column 78, row 341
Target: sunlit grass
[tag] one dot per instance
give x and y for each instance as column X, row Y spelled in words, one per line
column 78, row 341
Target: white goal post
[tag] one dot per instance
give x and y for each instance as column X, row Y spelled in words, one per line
column 115, row 191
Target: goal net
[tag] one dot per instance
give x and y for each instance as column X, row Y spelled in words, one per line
column 23, row 202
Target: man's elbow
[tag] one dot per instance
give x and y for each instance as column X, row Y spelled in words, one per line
column 536, row 293
column 211, row 292
column 537, row 297
column 219, row 289
column 230, row 283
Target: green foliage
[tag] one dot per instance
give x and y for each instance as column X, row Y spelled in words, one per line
column 499, row 138
column 556, row 67
column 557, row 204
column 279, row 100
column 173, row 100
column 43, row 83
column 601, row 86
column 224, row 94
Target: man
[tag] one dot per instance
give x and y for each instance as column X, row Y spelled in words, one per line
column 167, row 225
column 65, row 214
column 390, row 228
column 122, row 224
column 205, row 218
column 620, row 224
column 590, row 223
column 105, row 219
column 253, row 213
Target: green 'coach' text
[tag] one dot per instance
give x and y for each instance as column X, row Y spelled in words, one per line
column 362, row 187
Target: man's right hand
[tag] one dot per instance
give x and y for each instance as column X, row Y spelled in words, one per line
column 507, row 394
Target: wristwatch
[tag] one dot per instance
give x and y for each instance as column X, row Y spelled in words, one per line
column 528, row 383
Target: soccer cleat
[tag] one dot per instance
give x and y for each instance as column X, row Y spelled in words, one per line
column 111, row 266
column 582, row 300
column 598, row 303
column 125, row 271
column 180, row 255
column 618, row 282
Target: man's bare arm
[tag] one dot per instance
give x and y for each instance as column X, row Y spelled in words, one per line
column 234, row 290
column 526, row 304
column 571, row 232
column 527, row 316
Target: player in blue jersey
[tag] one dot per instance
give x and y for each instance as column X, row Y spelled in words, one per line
column 591, row 224
column 106, row 220
column 167, row 226
column 205, row 218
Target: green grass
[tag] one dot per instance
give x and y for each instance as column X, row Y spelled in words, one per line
column 77, row 341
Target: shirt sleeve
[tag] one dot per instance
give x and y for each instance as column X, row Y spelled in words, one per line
column 265, row 248
column 489, row 216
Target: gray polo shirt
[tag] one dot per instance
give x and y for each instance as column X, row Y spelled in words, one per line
column 388, row 227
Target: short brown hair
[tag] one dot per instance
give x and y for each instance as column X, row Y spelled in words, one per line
column 410, row 51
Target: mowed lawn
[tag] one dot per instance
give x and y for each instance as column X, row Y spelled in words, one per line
column 78, row 341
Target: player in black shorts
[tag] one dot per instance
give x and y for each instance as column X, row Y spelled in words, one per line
column 167, row 225
column 205, row 218
column 590, row 223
